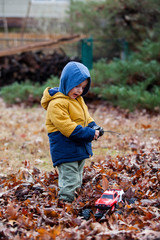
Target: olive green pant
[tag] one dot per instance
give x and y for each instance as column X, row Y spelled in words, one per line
column 70, row 178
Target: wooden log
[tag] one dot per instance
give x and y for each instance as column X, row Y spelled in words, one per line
column 41, row 45
column 33, row 66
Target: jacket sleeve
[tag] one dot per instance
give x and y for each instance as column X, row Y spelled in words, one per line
column 82, row 134
column 91, row 124
column 59, row 116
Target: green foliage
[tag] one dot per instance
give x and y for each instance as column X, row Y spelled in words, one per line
column 125, row 72
column 27, row 91
column 131, row 83
column 131, row 20
column 148, row 51
column 130, row 97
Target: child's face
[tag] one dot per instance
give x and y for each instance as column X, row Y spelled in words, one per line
column 77, row 90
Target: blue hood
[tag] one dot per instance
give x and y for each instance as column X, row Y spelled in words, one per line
column 72, row 75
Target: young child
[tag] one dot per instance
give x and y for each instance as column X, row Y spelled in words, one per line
column 70, row 127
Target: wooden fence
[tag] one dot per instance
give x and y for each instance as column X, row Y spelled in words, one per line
column 12, row 40
column 19, row 44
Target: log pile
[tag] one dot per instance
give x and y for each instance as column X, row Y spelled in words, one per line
column 22, row 63
column 33, row 66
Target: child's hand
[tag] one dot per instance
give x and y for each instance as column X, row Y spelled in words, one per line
column 100, row 129
column 96, row 135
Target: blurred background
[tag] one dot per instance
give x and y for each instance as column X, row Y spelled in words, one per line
column 118, row 40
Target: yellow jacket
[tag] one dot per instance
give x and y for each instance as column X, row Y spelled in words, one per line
column 64, row 113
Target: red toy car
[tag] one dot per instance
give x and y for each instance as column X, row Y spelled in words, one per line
column 108, row 201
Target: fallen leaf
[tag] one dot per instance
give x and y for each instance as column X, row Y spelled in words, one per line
column 105, row 183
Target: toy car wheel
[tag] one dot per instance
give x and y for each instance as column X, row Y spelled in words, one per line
column 98, row 215
column 86, row 213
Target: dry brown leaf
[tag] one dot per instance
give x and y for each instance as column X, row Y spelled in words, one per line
column 29, row 209
column 105, row 183
column 12, row 211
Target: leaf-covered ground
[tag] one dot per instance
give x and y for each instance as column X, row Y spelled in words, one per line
column 29, row 206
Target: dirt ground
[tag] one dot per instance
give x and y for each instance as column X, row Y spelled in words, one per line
column 24, row 140
column 29, row 206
